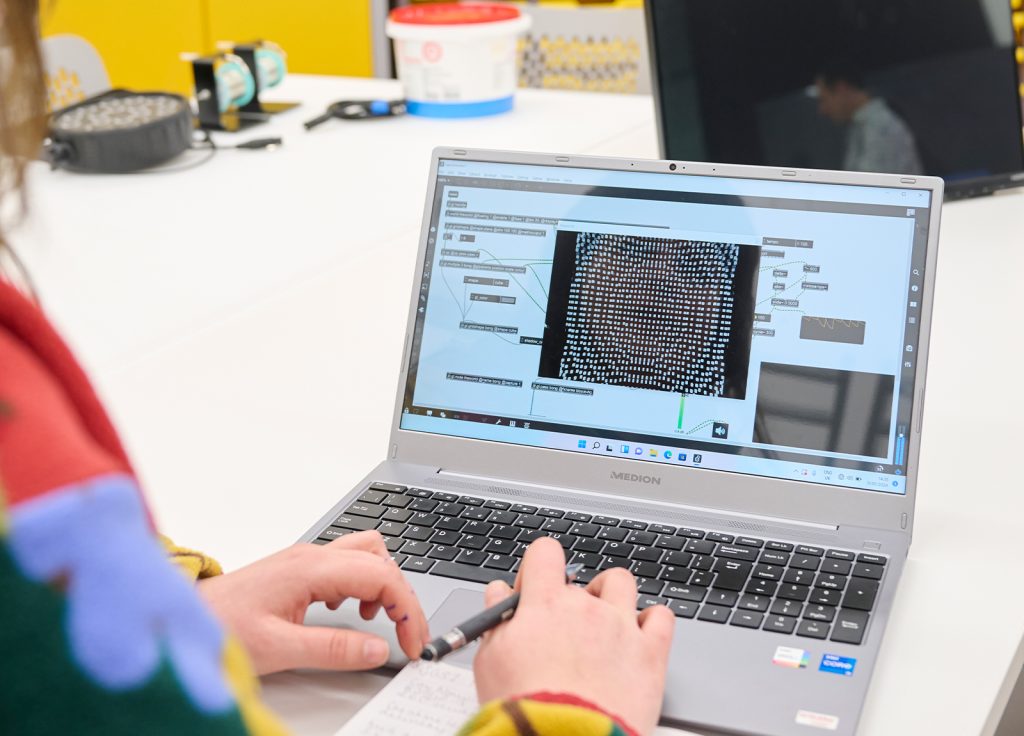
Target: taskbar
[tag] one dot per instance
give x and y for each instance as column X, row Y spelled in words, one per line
column 529, row 434
column 635, row 439
column 859, row 479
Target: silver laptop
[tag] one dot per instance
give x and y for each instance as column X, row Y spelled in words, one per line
column 712, row 375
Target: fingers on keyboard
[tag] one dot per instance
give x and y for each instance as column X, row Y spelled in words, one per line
column 707, row 576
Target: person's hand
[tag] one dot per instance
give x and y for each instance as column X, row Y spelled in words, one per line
column 586, row 642
column 264, row 605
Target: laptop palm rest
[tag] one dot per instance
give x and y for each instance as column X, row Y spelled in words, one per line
column 443, row 607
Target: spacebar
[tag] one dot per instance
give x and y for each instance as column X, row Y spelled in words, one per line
column 469, row 572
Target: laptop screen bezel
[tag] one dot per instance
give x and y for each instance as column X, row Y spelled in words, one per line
column 731, row 492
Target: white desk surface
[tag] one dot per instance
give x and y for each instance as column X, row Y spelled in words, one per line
column 200, row 244
column 250, row 361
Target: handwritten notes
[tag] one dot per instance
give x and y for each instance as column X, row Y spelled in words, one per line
column 424, row 699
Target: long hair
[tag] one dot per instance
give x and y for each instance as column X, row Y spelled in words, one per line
column 22, row 107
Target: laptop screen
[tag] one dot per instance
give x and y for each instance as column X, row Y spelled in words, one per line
column 760, row 327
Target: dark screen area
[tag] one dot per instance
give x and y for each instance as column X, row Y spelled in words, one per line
column 897, row 86
column 824, row 409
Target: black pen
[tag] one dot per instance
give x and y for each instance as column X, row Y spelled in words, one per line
column 480, row 624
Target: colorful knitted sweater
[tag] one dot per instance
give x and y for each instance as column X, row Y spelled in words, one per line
column 99, row 632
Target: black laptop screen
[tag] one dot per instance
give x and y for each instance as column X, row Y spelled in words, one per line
column 897, row 86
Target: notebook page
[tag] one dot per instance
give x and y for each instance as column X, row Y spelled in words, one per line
column 424, row 699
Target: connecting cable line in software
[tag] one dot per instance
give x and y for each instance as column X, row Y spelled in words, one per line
column 775, row 294
column 504, row 339
column 458, row 303
column 682, row 407
column 526, row 262
column 801, row 281
column 701, row 426
column 465, row 310
column 791, row 309
column 772, row 267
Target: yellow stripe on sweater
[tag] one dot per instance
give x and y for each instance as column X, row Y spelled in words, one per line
column 195, row 565
column 546, row 719
column 258, row 719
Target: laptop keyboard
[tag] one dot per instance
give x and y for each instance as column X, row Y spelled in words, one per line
column 710, row 576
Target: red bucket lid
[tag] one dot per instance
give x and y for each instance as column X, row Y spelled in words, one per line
column 453, row 14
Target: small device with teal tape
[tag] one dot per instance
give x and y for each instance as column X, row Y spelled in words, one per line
column 229, row 83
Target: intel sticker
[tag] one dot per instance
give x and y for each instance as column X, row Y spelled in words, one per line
column 837, row 665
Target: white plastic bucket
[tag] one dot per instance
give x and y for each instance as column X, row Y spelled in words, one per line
column 457, row 60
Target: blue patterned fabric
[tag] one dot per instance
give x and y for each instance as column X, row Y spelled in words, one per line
column 127, row 605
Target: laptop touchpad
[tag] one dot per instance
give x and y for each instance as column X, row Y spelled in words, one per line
column 461, row 604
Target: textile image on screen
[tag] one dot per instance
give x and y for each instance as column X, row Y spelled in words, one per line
column 652, row 313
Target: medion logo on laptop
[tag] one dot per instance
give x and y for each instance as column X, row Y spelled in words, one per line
column 634, row 478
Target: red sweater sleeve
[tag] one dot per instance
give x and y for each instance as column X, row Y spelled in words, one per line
column 53, row 430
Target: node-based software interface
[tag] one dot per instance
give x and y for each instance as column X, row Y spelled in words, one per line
column 759, row 327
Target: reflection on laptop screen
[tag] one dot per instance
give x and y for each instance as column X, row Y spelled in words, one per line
column 759, row 327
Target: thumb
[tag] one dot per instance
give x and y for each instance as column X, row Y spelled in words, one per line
column 325, row 648
column 659, row 623
column 495, row 592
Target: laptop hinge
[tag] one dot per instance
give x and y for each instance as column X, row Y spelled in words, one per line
column 649, row 502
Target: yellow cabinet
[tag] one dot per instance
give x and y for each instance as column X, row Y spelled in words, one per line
column 319, row 36
column 140, row 42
